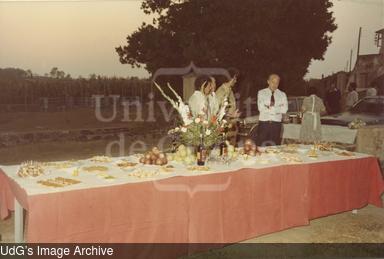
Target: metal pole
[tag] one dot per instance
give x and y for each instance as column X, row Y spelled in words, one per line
column 358, row 44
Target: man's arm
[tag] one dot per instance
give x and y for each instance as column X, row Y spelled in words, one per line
column 283, row 106
column 260, row 103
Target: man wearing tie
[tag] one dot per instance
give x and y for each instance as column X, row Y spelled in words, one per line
column 272, row 104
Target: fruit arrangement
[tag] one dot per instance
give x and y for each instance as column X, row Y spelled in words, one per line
column 250, row 148
column 184, row 155
column 154, row 157
column 231, row 151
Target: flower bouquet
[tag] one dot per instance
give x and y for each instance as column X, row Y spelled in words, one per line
column 191, row 128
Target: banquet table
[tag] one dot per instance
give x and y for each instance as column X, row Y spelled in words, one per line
column 227, row 203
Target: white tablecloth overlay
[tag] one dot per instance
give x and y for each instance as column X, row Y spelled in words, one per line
column 92, row 180
column 329, row 133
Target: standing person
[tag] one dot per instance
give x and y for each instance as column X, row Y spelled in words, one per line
column 203, row 100
column 312, row 108
column 272, row 104
column 332, row 99
column 352, row 96
column 225, row 92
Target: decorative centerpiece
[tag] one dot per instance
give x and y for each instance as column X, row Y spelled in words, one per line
column 196, row 129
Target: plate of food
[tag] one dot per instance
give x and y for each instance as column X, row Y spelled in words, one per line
column 272, row 151
column 344, row 153
column 58, row 182
column 167, row 169
column 31, row 169
column 101, row 159
column 312, row 153
column 95, row 168
column 144, row 173
column 198, row 168
column 126, row 165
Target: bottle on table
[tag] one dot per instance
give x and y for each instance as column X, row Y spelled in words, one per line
column 223, row 146
column 201, row 152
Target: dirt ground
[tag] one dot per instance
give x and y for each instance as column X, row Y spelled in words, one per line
column 84, row 118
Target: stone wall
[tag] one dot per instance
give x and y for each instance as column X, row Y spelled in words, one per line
column 370, row 140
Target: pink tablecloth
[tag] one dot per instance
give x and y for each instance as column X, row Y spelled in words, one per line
column 223, row 207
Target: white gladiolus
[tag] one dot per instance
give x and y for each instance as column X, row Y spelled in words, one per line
column 183, row 129
column 205, row 122
column 197, row 120
column 208, row 132
column 179, row 105
column 177, row 129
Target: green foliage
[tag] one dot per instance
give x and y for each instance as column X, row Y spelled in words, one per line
column 257, row 37
column 192, row 136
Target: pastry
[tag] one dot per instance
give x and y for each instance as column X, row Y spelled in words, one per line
column 30, row 169
column 101, row 159
column 95, row 168
column 58, row 182
column 125, row 164
column 198, row 168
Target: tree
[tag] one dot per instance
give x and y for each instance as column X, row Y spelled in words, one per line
column 257, row 37
column 56, row 73
column 53, row 72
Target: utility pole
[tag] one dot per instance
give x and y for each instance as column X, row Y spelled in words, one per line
column 350, row 61
column 358, row 44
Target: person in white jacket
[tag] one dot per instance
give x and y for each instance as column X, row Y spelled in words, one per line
column 203, row 101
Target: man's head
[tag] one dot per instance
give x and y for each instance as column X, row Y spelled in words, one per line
column 273, row 81
column 352, row 86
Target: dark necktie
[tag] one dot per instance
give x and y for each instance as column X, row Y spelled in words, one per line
column 273, row 99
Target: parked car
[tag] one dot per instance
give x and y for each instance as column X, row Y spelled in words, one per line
column 248, row 124
column 369, row 109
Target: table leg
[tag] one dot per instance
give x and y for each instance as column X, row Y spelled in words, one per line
column 19, row 223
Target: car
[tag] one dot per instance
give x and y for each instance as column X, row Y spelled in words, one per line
column 248, row 124
column 369, row 109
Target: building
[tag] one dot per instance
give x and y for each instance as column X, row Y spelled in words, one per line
column 369, row 69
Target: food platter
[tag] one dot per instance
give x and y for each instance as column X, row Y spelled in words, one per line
column 58, row 182
column 30, row 169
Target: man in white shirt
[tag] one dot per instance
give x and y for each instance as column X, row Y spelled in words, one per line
column 352, row 96
column 203, row 101
column 272, row 104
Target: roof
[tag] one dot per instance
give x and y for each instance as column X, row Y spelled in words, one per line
column 369, row 55
column 380, row 31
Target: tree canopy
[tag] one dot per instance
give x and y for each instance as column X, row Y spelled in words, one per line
column 258, row 37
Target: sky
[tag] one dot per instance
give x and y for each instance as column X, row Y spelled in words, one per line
column 79, row 37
